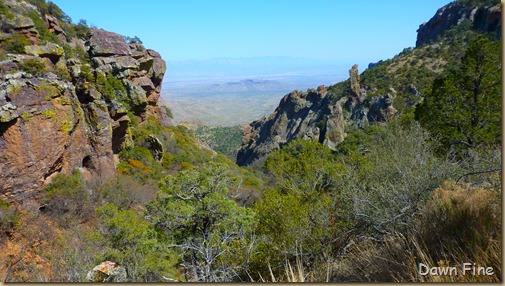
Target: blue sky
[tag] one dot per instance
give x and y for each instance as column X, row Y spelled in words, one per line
column 359, row 31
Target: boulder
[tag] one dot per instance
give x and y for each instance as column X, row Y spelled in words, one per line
column 136, row 94
column 158, row 68
column 8, row 112
column 145, row 83
column 155, row 146
column 23, row 23
column 104, row 43
column 107, row 271
column 50, row 50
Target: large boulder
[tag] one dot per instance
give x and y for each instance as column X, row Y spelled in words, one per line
column 137, row 95
column 8, row 112
column 104, row 43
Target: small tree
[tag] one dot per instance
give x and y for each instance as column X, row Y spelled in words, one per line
column 195, row 214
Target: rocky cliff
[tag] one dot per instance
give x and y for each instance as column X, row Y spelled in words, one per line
column 66, row 101
column 485, row 19
column 316, row 115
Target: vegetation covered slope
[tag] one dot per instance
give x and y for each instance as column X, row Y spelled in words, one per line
column 391, row 195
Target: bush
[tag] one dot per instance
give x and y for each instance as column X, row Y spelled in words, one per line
column 193, row 211
column 67, row 200
column 55, row 11
column 8, row 219
column 139, row 163
column 15, row 44
column 457, row 224
column 82, row 30
column 77, row 52
column 112, row 89
column 460, row 217
column 132, row 243
column 34, row 66
column 389, row 175
column 124, row 192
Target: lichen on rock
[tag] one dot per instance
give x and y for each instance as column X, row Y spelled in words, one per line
column 66, row 106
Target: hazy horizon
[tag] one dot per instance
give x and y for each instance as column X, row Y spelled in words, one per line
column 345, row 32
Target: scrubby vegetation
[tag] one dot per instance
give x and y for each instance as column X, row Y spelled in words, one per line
column 421, row 187
column 225, row 140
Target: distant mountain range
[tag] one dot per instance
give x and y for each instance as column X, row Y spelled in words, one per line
column 246, row 85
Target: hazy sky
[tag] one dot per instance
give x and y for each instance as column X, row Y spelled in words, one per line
column 352, row 31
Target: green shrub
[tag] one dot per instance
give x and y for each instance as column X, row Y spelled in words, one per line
column 132, row 243
column 5, row 10
column 77, row 52
column 40, row 4
column 139, row 163
column 55, row 11
column 15, row 44
column 168, row 111
column 34, row 66
column 8, row 219
column 112, row 89
column 194, row 212
column 82, row 30
column 124, row 192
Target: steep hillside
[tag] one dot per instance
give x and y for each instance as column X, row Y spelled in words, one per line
column 388, row 88
column 67, row 96
column 222, row 139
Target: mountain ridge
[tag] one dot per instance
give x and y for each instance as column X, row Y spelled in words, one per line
column 387, row 88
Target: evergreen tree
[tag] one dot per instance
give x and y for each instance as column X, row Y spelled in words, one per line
column 464, row 108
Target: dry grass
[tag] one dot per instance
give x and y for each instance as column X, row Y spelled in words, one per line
column 490, row 256
column 299, row 273
column 459, row 224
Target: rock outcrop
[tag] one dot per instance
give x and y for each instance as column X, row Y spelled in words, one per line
column 309, row 115
column 315, row 115
column 67, row 106
column 485, row 19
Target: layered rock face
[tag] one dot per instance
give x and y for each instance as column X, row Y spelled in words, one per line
column 59, row 111
column 313, row 115
column 485, row 19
